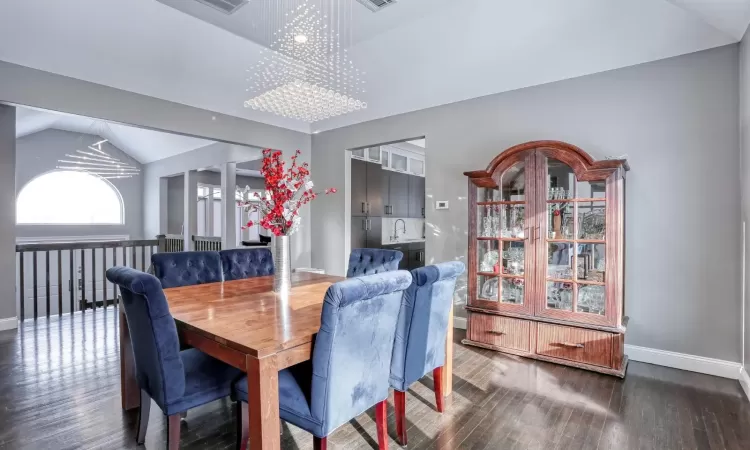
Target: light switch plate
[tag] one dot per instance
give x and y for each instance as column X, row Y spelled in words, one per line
column 441, row 204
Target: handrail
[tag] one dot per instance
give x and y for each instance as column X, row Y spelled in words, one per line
column 59, row 262
column 87, row 245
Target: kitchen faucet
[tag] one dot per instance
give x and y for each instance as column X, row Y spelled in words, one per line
column 395, row 228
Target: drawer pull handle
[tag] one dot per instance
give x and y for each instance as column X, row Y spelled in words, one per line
column 499, row 333
column 571, row 345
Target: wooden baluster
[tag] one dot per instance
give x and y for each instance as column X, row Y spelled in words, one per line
column 83, row 281
column 59, row 283
column 93, row 279
column 46, row 281
column 71, row 284
column 22, row 304
column 104, row 277
column 143, row 258
column 36, row 298
column 132, row 258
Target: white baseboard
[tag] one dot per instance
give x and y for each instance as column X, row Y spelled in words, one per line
column 745, row 382
column 692, row 363
column 8, row 324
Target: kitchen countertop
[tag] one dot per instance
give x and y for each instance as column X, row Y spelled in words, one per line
column 405, row 241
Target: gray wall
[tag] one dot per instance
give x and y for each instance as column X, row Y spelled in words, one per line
column 176, row 193
column 745, row 174
column 677, row 119
column 40, row 152
column 25, row 86
column 7, row 212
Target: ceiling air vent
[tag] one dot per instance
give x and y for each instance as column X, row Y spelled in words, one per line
column 225, row 6
column 376, row 5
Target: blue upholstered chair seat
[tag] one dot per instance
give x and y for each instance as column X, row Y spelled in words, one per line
column 206, row 379
column 294, row 397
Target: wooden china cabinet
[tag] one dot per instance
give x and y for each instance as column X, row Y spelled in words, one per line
column 546, row 256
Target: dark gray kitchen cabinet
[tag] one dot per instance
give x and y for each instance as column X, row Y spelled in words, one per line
column 366, row 232
column 416, row 256
column 416, row 197
column 375, row 232
column 359, row 232
column 398, row 194
column 377, row 188
column 359, row 188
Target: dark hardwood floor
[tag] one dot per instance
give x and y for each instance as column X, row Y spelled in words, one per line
column 59, row 389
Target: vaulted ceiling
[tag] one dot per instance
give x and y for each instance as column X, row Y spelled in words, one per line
column 417, row 53
column 144, row 146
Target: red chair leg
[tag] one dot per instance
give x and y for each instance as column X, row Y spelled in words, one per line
column 243, row 433
column 381, row 418
column 399, row 400
column 437, row 375
column 320, row 443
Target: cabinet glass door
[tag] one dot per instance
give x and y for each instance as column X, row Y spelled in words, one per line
column 373, row 154
column 504, row 261
column 399, row 162
column 575, row 245
column 416, row 166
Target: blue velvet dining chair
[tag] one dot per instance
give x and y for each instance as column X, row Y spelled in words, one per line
column 186, row 268
column 241, row 263
column 369, row 261
column 348, row 372
column 176, row 380
column 421, row 333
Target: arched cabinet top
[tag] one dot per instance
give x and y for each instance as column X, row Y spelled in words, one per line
column 584, row 166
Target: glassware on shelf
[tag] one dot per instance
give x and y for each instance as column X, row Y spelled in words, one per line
column 592, row 220
column 558, row 260
column 489, row 261
column 591, row 299
column 489, row 289
column 560, row 296
column 512, row 291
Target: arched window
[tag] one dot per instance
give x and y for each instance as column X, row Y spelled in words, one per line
column 69, row 198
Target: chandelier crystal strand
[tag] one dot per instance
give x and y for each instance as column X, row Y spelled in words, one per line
column 96, row 161
column 305, row 73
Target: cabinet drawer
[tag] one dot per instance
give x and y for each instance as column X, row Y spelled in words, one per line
column 574, row 344
column 500, row 331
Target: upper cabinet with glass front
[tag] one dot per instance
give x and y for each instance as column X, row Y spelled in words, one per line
column 546, row 245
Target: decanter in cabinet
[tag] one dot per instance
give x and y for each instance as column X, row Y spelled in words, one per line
column 546, row 256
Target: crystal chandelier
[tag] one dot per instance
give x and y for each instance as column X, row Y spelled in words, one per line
column 305, row 72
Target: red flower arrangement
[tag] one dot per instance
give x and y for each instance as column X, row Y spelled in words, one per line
column 286, row 192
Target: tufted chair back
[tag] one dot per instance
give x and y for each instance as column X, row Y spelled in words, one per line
column 156, row 347
column 243, row 263
column 186, row 268
column 352, row 354
column 369, row 261
column 423, row 323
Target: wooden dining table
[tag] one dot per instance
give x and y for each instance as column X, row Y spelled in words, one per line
column 246, row 325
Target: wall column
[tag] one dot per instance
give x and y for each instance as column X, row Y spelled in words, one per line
column 210, row 212
column 190, row 221
column 8, row 294
column 163, row 206
column 228, row 206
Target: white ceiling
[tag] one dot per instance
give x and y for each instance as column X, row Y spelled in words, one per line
column 417, row 53
column 144, row 146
